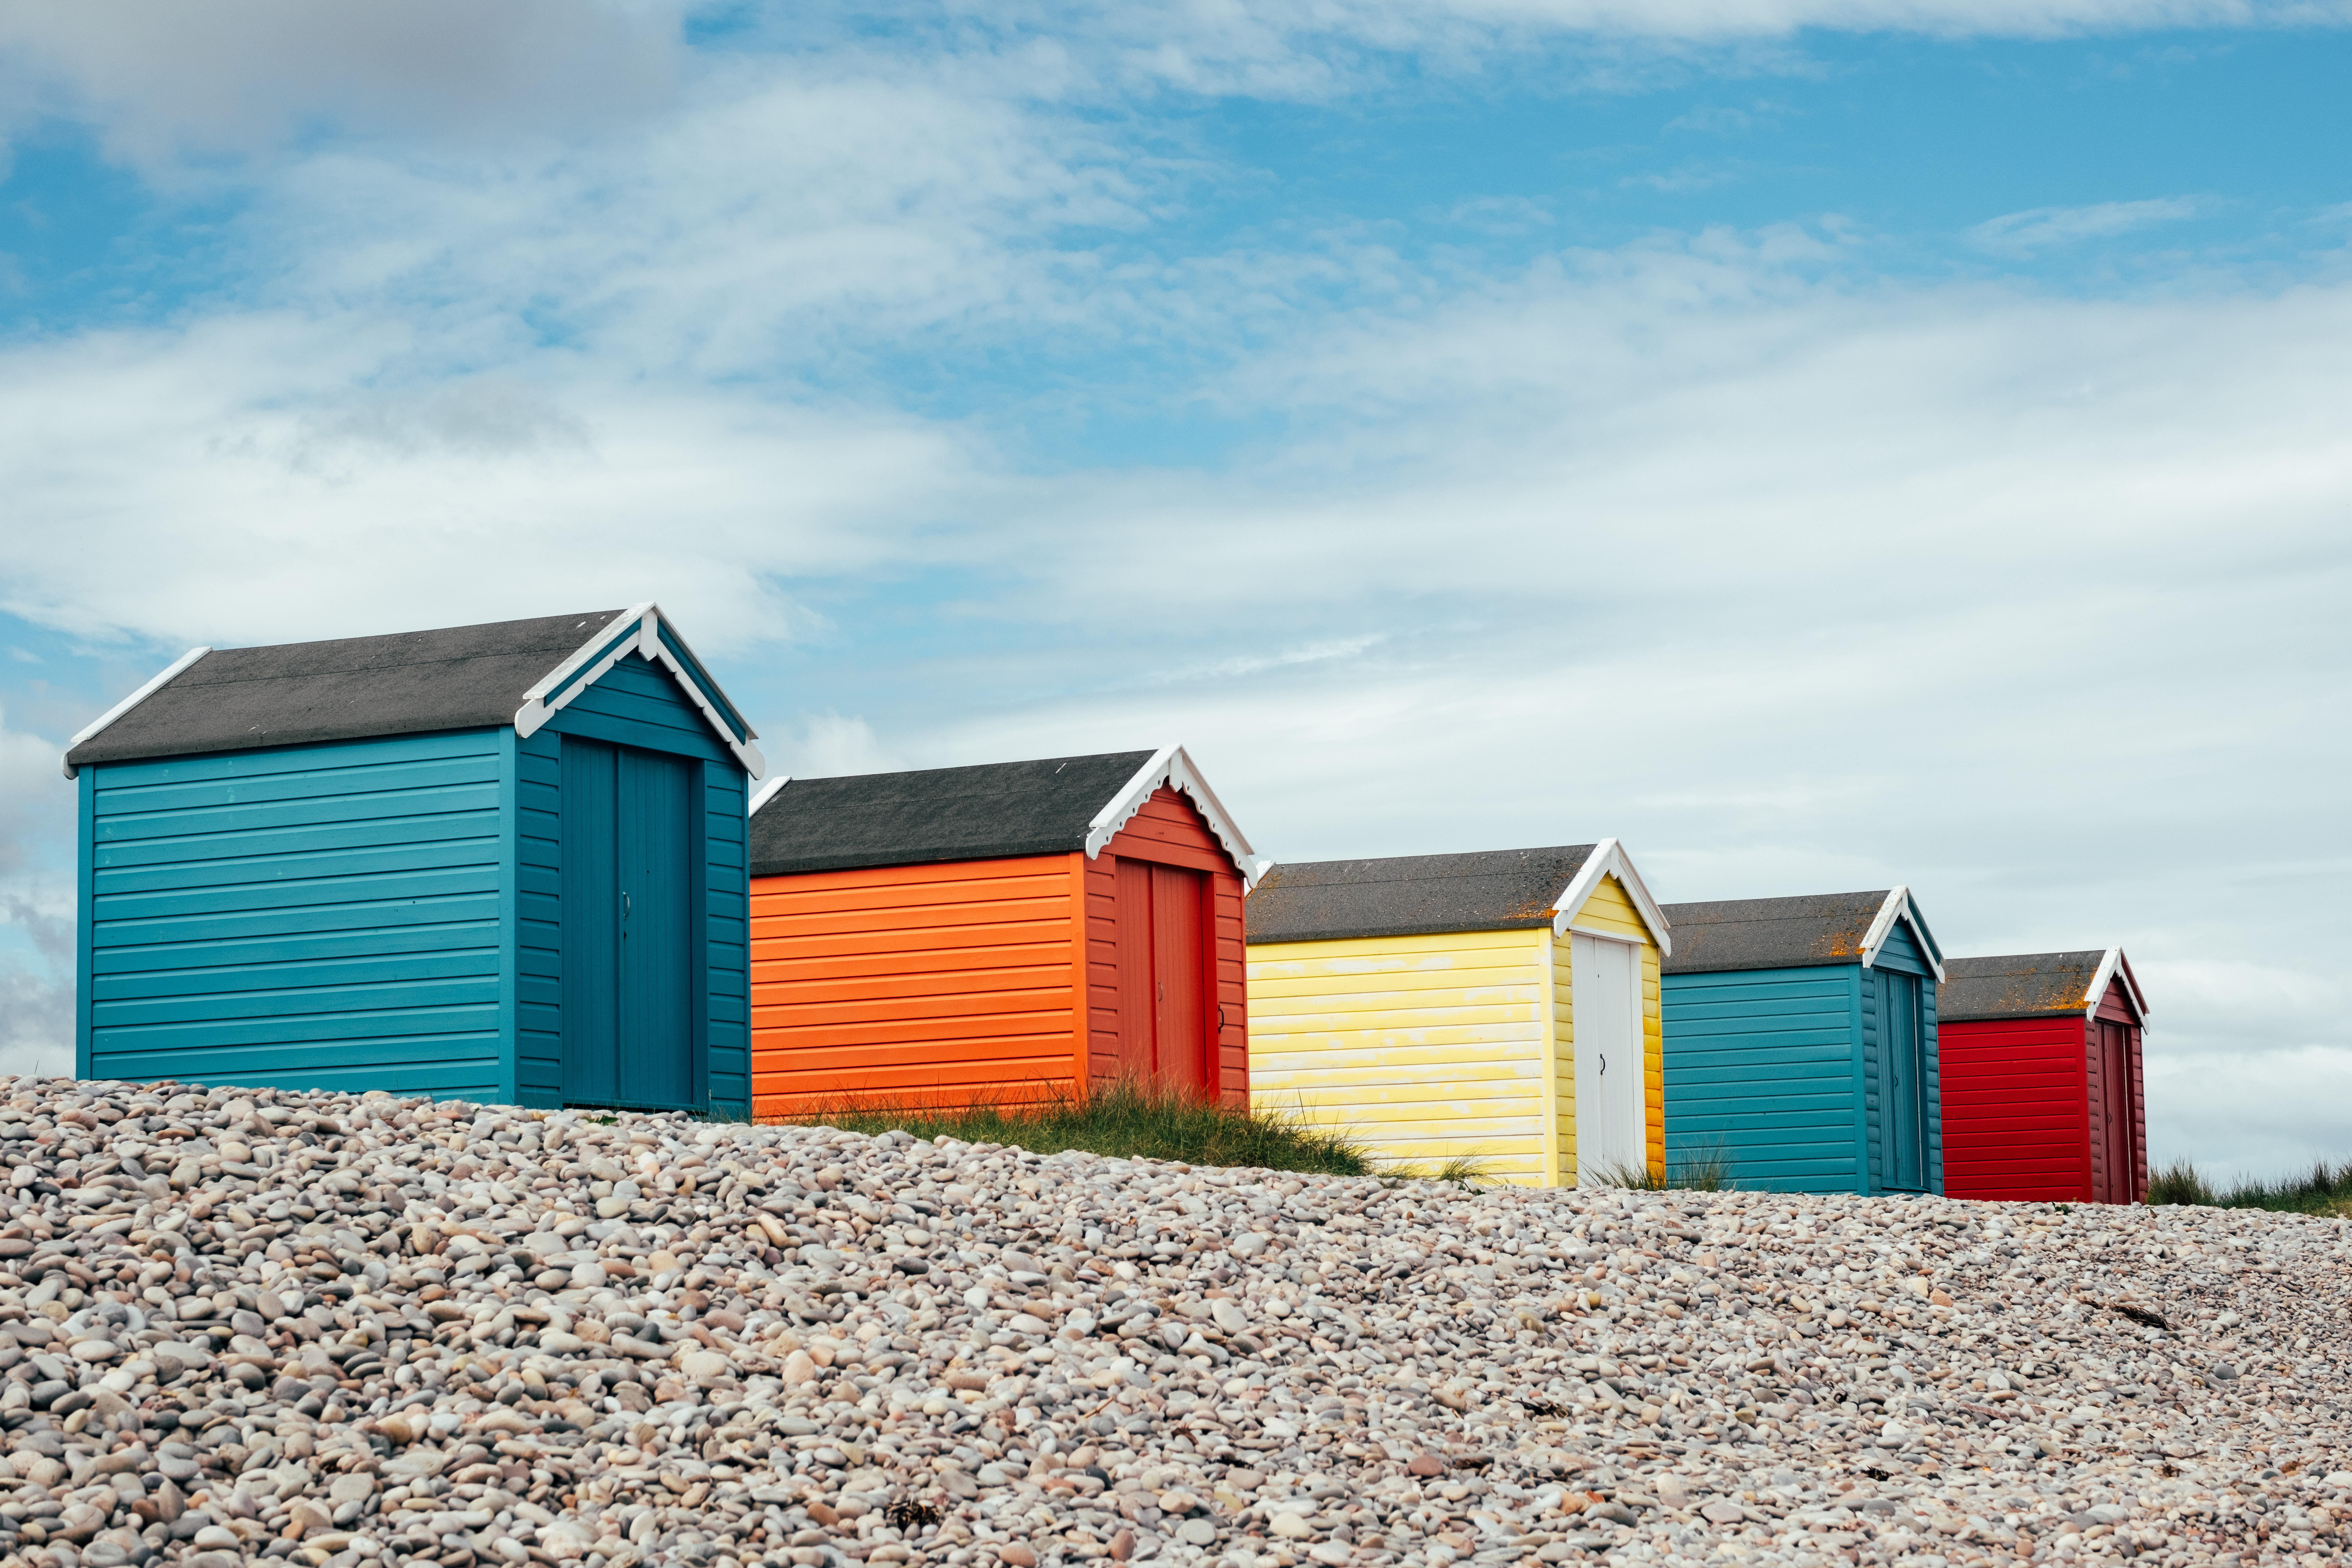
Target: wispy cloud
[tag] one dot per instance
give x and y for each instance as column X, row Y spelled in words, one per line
column 1501, row 215
column 2041, row 228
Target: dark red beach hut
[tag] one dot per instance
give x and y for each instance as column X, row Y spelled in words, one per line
column 2043, row 1086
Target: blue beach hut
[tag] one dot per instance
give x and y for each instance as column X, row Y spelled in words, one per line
column 1801, row 1043
column 498, row 862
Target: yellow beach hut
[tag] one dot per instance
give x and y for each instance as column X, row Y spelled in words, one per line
column 1500, row 1008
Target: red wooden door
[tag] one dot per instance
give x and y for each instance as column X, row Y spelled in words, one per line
column 1137, row 1014
column 1179, row 972
column 2115, row 1130
column 1163, row 1004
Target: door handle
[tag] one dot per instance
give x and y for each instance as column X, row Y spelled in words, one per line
column 625, row 903
column 1604, row 1064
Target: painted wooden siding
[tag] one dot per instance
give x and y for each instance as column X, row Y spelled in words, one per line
column 1426, row 1047
column 726, row 918
column 315, row 917
column 539, row 922
column 935, row 982
column 1168, row 831
column 1608, row 910
column 1761, row 1070
column 1901, row 954
column 2014, row 1098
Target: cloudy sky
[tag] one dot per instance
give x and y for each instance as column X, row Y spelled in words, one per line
column 1823, row 443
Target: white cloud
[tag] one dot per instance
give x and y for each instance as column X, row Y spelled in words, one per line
column 276, row 497
column 1791, row 580
column 827, row 745
column 163, row 81
column 37, row 941
column 2039, row 228
column 245, row 74
column 2236, row 1115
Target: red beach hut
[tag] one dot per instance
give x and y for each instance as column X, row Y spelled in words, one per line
column 2043, row 1087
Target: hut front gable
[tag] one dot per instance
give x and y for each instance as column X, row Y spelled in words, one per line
column 1166, row 827
column 1901, row 966
column 634, row 702
column 1608, row 909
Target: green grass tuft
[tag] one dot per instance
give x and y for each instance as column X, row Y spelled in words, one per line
column 1704, row 1170
column 1464, row 1170
column 1121, row 1121
column 2327, row 1190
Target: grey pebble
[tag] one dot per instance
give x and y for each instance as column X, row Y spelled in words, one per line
column 636, row 1339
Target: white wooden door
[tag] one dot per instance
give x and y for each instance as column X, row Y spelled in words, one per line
column 1605, row 1007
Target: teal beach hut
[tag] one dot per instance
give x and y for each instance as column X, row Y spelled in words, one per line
column 498, row 862
column 1801, row 1043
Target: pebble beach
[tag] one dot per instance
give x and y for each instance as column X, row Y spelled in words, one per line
column 336, row 1330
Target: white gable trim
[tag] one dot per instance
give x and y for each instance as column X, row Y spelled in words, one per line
column 766, row 792
column 99, row 726
column 637, row 630
column 1899, row 905
column 2111, row 966
column 1608, row 858
column 1172, row 767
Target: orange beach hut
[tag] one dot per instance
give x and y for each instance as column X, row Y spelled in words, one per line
column 1009, row 931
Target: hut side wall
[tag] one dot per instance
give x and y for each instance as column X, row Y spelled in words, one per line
column 2013, row 1099
column 1761, row 1070
column 938, row 982
column 1607, row 909
column 1168, row 831
column 1426, row 1047
column 307, row 917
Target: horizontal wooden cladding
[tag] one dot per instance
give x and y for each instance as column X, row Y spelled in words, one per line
column 313, row 916
column 949, row 982
column 2015, row 1109
column 1422, row 1047
column 1760, row 1074
column 815, row 986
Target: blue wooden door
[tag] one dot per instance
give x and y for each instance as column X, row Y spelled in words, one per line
column 589, row 801
column 1904, row 1110
column 629, row 928
column 656, row 990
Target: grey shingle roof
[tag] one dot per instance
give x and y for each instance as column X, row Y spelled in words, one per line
column 986, row 812
column 1771, row 933
column 1413, row 894
column 2017, row 985
column 345, row 688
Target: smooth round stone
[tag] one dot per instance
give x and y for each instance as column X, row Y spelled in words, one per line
column 588, row 1277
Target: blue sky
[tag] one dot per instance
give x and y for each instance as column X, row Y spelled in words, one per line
column 1825, row 444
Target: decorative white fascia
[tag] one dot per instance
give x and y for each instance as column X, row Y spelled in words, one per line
column 1170, row 766
column 1608, row 858
column 99, row 726
column 637, row 629
column 1899, row 907
column 766, row 792
column 2111, row 964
